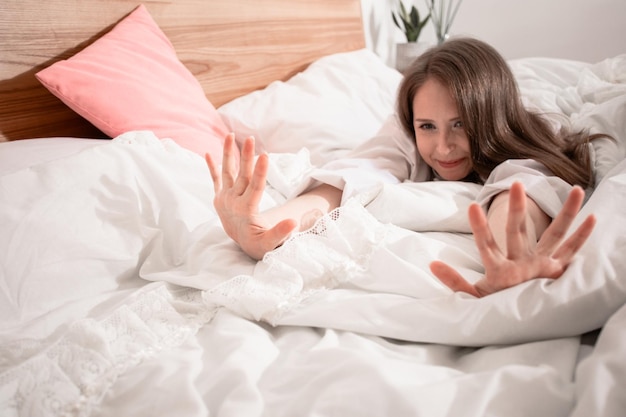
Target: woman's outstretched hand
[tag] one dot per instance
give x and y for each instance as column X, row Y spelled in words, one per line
column 238, row 193
column 522, row 260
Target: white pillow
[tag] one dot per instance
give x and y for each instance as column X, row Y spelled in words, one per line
column 590, row 96
column 24, row 153
column 338, row 102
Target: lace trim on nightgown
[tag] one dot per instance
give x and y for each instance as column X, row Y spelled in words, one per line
column 336, row 249
column 71, row 375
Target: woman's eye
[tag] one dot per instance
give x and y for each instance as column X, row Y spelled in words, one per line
column 427, row 126
column 459, row 124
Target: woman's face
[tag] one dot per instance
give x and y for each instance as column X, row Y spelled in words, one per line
column 439, row 133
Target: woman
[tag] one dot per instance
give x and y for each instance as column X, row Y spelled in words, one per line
column 459, row 118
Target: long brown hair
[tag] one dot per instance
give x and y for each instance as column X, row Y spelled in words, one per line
column 496, row 122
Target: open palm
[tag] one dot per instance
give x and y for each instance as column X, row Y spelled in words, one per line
column 522, row 260
column 238, row 193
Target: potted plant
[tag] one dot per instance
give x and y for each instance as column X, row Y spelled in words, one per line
column 411, row 25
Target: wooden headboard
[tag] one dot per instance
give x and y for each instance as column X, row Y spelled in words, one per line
column 231, row 46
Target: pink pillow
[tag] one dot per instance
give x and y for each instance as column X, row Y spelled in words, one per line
column 131, row 79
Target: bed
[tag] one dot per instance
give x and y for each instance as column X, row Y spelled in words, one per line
column 122, row 295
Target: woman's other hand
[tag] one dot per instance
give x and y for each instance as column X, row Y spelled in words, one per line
column 523, row 259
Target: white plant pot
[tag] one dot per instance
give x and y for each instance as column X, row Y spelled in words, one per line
column 407, row 52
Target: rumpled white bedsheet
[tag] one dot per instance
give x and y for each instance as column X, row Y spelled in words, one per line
column 84, row 332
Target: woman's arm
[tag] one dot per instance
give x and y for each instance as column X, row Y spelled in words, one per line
column 519, row 257
column 306, row 208
column 239, row 191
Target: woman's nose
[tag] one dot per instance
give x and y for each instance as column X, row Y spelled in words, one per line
column 445, row 142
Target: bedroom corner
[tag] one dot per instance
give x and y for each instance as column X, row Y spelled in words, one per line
column 580, row 30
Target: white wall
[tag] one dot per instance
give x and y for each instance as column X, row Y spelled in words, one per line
column 585, row 30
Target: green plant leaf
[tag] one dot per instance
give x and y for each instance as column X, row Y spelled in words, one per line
column 415, row 17
column 403, row 12
column 421, row 26
column 393, row 16
column 409, row 22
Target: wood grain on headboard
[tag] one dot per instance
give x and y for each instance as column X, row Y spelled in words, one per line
column 231, row 46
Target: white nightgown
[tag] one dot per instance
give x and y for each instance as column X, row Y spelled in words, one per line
column 391, row 157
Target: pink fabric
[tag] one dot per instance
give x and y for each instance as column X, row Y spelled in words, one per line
column 131, row 79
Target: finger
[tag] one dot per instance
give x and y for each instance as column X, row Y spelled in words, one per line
column 555, row 233
column 566, row 252
column 483, row 238
column 256, row 187
column 246, row 166
column 516, row 237
column 228, row 161
column 451, row 278
column 278, row 234
column 215, row 175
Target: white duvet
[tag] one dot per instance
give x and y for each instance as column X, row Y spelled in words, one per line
column 121, row 294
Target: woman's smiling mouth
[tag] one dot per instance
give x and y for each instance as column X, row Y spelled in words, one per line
column 450, row 164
